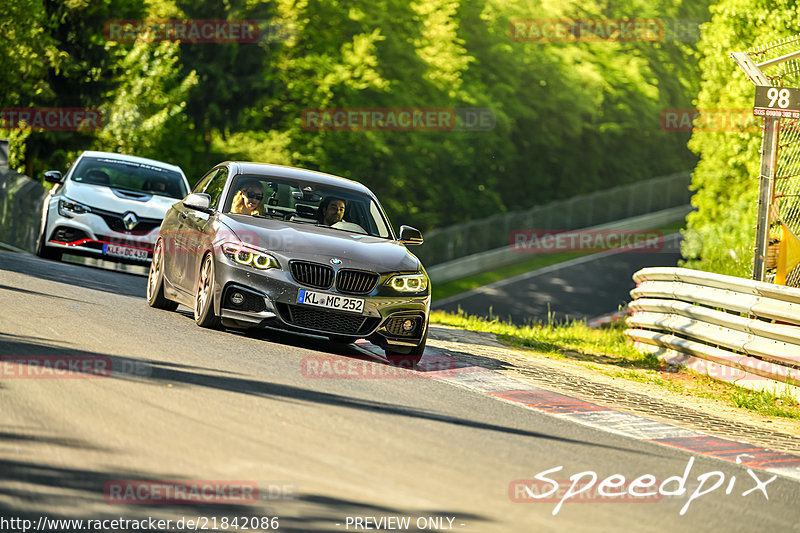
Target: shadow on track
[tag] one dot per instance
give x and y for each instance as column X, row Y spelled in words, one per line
column 74, row 275
column 157, row 372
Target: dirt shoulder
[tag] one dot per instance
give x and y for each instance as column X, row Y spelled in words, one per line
column 585, row 379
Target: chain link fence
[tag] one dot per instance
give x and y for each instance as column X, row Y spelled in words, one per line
column 787, row 173
column 585, row 210
column 776, row 64
column 787, row 184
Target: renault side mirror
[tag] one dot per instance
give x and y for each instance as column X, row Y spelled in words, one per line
column 53, row 176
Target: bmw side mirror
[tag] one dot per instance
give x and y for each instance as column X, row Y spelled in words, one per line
column 409, row 235
column 53, row 176
column 198, row 202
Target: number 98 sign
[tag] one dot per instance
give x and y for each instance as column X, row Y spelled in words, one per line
column 776, row 99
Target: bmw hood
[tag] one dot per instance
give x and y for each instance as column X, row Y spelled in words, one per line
column 322, row 244
column 145, row 205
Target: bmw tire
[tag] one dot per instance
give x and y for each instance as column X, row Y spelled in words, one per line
column 204, row 314
column 155, row 281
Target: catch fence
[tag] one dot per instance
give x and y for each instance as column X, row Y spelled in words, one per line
column 582, row 211
column 776, row 65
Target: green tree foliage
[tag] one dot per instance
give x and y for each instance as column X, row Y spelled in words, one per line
column 593, row 108
column 27, row 54
column 568, row 117
column 232, row 76
column 146, row 115
column 720, row 233
column 82, row 76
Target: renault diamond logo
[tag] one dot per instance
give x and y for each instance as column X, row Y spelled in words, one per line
column 130, row 220
column 335, row 261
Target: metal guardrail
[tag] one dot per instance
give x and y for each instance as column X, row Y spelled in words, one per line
column 747, row 325
column 581, row 211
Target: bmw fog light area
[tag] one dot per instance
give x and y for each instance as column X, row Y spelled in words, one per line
column 408, row 283
column 238, row 298
column 251, row 256
column 67, row 208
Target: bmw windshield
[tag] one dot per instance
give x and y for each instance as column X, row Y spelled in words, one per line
column 307, row 203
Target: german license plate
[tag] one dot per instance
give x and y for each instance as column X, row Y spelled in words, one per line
column 115, row 250
column 330, row 301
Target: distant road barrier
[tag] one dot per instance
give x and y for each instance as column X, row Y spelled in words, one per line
column 725, row 321
column 507, row 255
column 443, row 245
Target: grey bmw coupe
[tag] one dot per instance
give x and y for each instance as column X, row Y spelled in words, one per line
column 258, row 245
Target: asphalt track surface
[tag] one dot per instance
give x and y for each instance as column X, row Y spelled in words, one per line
column 580, row 289
column 187, row 404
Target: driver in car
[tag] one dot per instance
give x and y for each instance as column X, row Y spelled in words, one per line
column 331, row 213
column 249, row 199
column 158, row 186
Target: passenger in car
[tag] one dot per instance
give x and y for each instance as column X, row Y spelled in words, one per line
column 249, row 200
column 156, row 186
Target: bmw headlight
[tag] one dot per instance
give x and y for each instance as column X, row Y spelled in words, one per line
column 246, row 255
column 408, row 282
column 67, row 208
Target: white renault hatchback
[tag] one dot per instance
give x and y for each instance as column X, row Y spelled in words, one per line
column 108, row 206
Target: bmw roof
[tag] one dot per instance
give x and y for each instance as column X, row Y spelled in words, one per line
column 299, row 174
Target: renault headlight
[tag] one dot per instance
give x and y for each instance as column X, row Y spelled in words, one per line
column 408, row 282
column 67, row 208
column 247, row 255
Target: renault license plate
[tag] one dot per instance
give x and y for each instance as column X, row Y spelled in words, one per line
column 115, row 250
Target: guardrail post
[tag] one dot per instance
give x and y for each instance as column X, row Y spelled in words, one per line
column 3, row 154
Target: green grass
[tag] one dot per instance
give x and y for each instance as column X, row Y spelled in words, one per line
column 765, row 402
column 608, row 352
column 570, row 339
